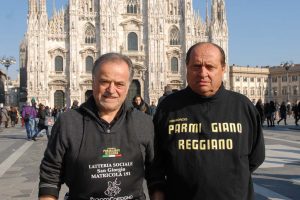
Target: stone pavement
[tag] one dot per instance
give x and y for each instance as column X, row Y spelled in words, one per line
column 20, row 160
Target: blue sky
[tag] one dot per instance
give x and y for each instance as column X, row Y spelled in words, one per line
column 261, row 32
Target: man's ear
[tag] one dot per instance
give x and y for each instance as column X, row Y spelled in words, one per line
column 224, row 68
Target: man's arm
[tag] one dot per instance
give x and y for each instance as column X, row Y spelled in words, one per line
column 52, row 164
column 155, row 174
column 257, row 154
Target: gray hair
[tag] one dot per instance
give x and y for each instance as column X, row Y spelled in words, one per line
column 111, row 57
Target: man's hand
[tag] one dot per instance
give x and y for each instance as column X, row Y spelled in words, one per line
column 157, row 195
column 47, row 197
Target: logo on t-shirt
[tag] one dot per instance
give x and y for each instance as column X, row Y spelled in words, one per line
column 111, row 153
column 113, row 188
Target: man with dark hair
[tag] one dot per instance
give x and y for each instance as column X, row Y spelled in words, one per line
column 208, row 140
column 29, row 115
column 100, row 150
column 167, row 91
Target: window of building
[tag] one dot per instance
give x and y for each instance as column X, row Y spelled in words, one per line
column 245, row 91
column 266, row 80
column 174, row 65
column 174, row 36
column 90, row 35
column 132, row 6
column 89, row 62
column 132, row 41
column 238, row 89
column 275, row 91
column 284, row 91
column 59, row 63
column 252, row 91
column 295, row 90
column 274, row 79
column 134, row 89
column 266, row 92
column 245, row 79
column 59, row 98
column 259, row 91
column 283, row 78
column 251, row 79
column 294, row 78
column 237, row 78
column 258, row 79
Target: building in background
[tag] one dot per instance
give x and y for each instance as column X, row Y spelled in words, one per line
column 266, row 83
column 249, row 81
column 57, row 54
column 13, row 92
column 285, row 85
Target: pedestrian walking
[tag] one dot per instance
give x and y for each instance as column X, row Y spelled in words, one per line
column 42, row 114
column 273, row 113
column 260, row 109
column 29, row 115
column 5, row 118
column 282, row 113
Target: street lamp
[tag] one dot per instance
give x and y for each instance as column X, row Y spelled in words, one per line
column 7, row 62
column 287, row 66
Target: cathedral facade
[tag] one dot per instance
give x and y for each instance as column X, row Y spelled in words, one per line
column 57, row 53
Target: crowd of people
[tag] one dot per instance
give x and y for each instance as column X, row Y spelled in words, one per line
column 273, row 113
column 33, row 117
column 9, row 116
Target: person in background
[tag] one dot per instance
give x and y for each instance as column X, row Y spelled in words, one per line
column 288, row 109
column 296, row 112
column 75, row 104
column 152, row 109
column 273, row 113
column 260, row 108
column 42, row 113
column 140, row 104
column 167, row 91
column 13, row 115
column 5, row 118
column 29, row 114
column 282, row 113
column 54, row 113
column 268, row 113
column 208, row 140
column 101, row 149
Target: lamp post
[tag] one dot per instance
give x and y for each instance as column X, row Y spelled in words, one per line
column 287, row 66
column 7, row 62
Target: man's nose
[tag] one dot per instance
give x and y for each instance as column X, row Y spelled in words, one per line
column 111, row 87
column 202, row 71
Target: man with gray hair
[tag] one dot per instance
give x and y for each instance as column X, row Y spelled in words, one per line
column 101, row 149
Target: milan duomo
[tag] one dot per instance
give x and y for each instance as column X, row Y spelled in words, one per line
column 57, row 53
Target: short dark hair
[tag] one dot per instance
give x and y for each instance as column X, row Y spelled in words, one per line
column 113, row 57
column 189, row 52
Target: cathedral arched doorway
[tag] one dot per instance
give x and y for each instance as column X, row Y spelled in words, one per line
column 88, row 93
column 59, row 99
column 134, row 89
